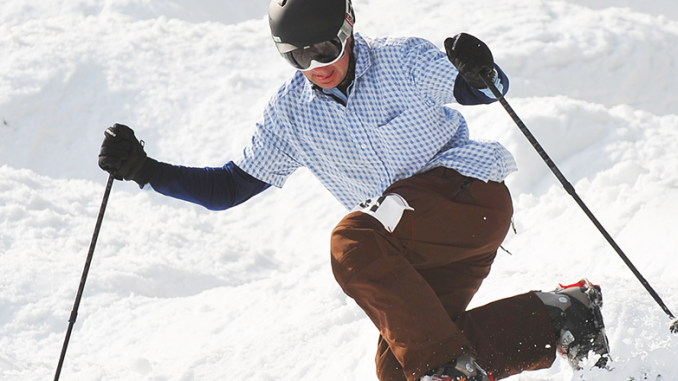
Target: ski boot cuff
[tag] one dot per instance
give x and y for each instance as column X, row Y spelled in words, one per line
column 575, row 311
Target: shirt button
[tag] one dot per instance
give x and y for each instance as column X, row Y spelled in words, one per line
column 364, row 146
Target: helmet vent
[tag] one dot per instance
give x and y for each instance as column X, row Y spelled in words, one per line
column 282, row 2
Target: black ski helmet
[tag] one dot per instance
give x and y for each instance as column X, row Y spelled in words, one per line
column 298, row 24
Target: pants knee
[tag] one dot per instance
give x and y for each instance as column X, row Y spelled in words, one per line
column 358, row 240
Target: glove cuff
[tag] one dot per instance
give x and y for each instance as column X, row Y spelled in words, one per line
column 146, row 172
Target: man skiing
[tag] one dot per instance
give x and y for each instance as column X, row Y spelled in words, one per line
column 428, row 205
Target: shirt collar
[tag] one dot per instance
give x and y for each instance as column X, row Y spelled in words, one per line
column 362, row 53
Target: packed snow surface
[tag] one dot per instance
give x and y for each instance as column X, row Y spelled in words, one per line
column 176, row 292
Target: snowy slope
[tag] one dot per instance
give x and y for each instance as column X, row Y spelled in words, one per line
column 179, row 293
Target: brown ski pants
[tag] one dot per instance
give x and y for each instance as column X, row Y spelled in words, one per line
column 416, row 282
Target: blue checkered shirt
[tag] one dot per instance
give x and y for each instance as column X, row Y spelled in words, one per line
column 394, row 125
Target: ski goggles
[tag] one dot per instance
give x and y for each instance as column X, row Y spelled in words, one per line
column 323, row 53
column 317, row 55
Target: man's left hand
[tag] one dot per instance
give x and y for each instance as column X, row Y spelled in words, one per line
column 471, row 57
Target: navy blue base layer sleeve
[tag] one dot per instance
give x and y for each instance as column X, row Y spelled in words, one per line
column 214, row 188
column 468, row 95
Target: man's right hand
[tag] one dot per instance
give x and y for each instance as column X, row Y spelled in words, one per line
column 121, row 153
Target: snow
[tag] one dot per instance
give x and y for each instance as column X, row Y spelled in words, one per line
column 179, row 293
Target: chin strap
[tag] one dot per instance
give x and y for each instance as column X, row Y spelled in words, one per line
column 344, row 85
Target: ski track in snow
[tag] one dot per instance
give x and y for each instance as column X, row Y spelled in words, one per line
column 176, row 292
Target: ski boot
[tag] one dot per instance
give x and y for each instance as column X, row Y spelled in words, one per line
column 578, row 321
column 463, row 368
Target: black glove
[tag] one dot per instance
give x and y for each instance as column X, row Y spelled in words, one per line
column 123, row 155
column 471, row 57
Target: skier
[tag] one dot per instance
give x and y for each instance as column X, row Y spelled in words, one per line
column 428, row 206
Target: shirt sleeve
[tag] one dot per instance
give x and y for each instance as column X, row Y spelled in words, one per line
column 270, row 156
column 431, row 72
column 437, row 78
column 214, row 188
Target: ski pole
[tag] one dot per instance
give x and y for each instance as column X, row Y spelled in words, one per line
column 78, row 297
column 570, row 189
